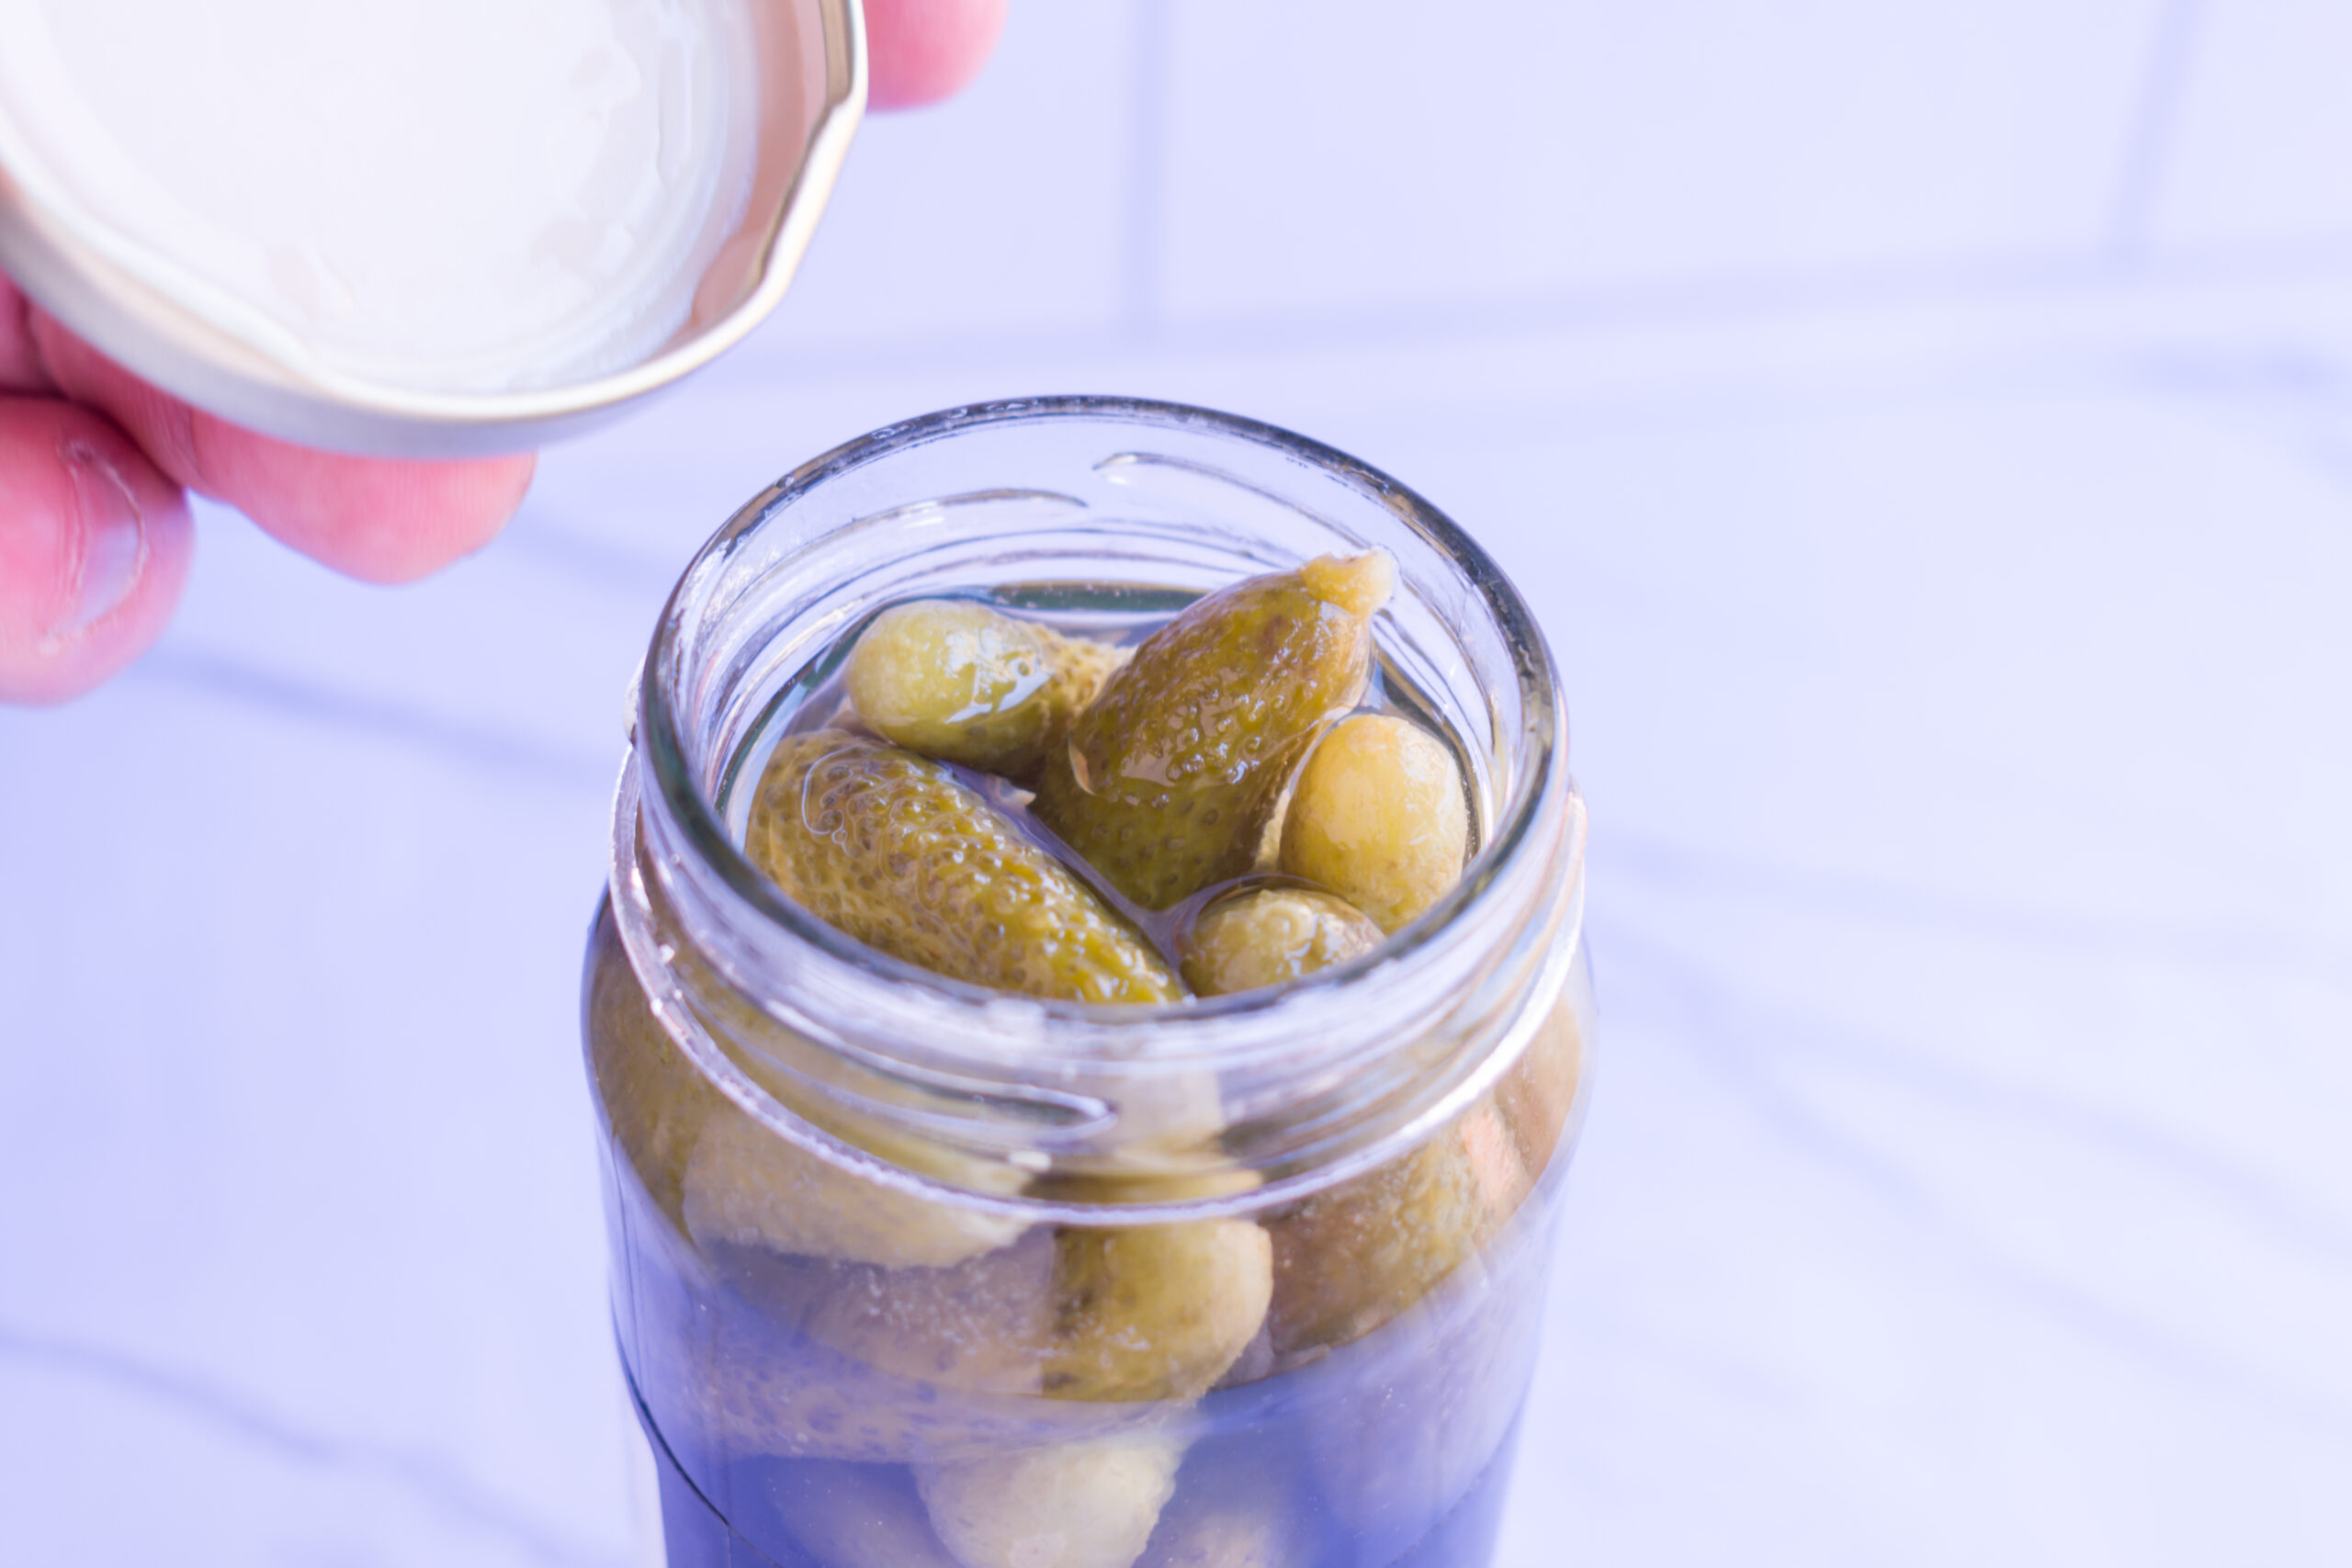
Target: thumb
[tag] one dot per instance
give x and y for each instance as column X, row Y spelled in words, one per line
column 920, row 51
column 93, row 548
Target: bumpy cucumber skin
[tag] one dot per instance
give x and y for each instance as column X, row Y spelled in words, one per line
column 1088, row 1505
column 1171, row 774
column 746, row 1185
column 893, row 849
column 1355, row 1256
column 1156, row 1312
column 1273, row 934
column 962, row 683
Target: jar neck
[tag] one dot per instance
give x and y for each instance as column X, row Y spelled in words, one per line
column 1303, row 1087
column 924, row 1081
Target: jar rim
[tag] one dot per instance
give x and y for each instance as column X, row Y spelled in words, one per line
column 1330, row 1069
column 698, row 819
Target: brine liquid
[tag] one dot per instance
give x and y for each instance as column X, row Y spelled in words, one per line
column 698, row 1535
column 1391, row 1451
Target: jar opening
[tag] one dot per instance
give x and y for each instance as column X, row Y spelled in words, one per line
column 1147, row 499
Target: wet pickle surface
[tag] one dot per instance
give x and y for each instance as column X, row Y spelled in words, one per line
column 1172, row 773
column 962, row 682
column 1088, row 1505
column 1269, row 935
column 892, row 849
column 1157, row 1312
column 1378, row 816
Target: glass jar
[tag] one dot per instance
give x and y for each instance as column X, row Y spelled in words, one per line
column 910, row 1273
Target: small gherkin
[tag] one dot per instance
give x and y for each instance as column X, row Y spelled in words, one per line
column 983, row 1326
column 1156, row 1312
column 1124, row 1314
column 958, row 681
column 1085, row 1504
column 1350, row 1258
column 1536, row 1096
column 1172, row 773
column 1269, row 935
column 893, row 849
column 746, row 1185
column 1379, row 817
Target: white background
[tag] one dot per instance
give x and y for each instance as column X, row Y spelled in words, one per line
column 1925, row 430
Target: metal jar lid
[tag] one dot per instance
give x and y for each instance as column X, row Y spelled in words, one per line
column 810, row 76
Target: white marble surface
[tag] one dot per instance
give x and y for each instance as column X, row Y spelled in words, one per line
column 1926, row 433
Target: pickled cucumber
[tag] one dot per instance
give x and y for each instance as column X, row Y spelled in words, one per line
column 1270, row 935
column 1378, row 816
column 747, row 1186
column 721, row 1178
column 1088, row 1505
column 657, row 1100
column 1171, row 774
column 1156, row 1312
column 1112, row 1315
column 891, row 848
column 1352, row 1258
column 984, row 1325
column 962, row 683
column 1539, row 1091
column 793, row 1357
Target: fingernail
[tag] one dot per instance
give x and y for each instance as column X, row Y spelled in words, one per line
column 109, row 550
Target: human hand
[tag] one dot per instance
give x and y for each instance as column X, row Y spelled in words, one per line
column 95, row 464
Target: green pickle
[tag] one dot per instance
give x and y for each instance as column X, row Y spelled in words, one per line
column 720, row 1177
column 961, row 682
column 984, row 1325
column 1157, row 1312
column 1172, row 773
column 1378, row 816
column 746, row 1186
column 865, row 1375
column 1269, row 935
column 656, row 1101
column 1350, row 1258
column 891, row 848
column 1090, row 1505
column 1120, row 1314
